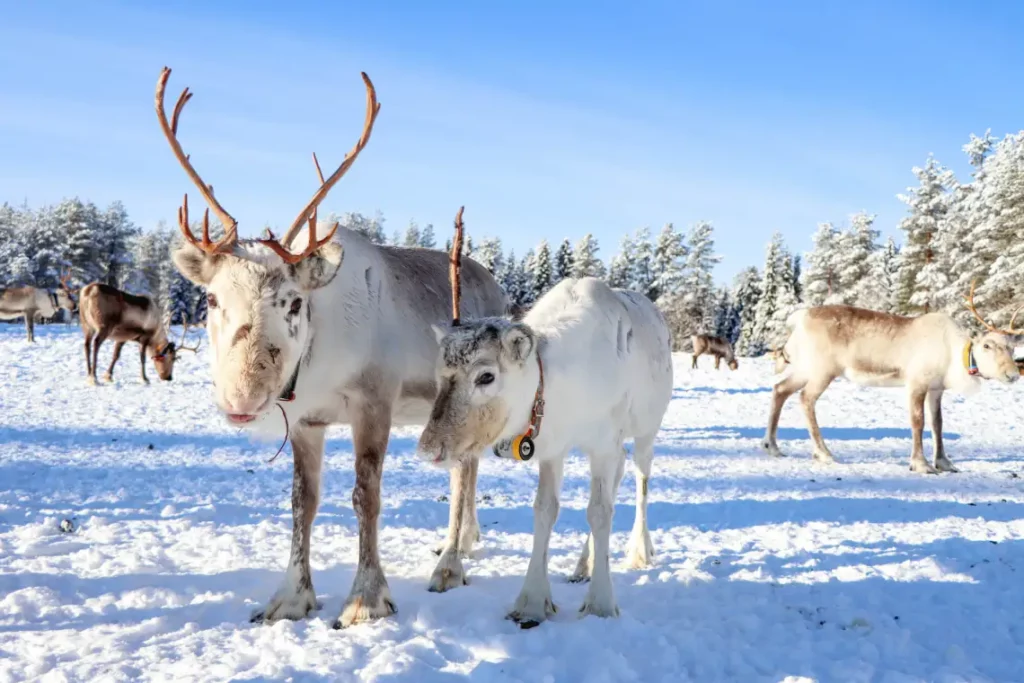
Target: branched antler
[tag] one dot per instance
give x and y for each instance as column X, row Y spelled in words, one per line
column 1011, row 330
column 221, row 246
column 455, row 268
column 170, row 130
column 181, row 344
column 308, row 213
column 65, row 278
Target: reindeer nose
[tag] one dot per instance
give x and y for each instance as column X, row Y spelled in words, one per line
column 244, row 406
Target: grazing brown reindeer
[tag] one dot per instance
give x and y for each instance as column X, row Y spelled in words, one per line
column 714, row 346
column 927, row 355
column 28, row 302
column 108, row 313
column 295, row 329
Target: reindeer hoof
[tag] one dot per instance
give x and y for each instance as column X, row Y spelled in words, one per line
column 945, row 465
column 448, row 574
column 772, row 450
column 107, row 378
column 922, row 467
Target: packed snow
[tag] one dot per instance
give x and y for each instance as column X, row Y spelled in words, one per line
column 138, row 532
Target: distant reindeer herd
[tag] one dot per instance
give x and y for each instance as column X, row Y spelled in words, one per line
column 333, row 329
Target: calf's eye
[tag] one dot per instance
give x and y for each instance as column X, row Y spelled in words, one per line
column 211, row 301
column 484, row 379
column 296, row 306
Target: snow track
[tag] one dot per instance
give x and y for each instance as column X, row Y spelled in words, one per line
column 767, row 570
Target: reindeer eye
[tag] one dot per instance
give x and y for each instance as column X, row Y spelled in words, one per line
column 296, row 306
column 484, row 379
column 987, row 346
column 211, row 301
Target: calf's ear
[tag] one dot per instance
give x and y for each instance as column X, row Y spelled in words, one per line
column 517, row 342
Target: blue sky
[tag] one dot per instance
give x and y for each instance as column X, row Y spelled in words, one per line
column 545, row 119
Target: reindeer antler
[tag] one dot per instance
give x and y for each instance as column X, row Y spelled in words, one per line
column 1011, row 330
column 65, row 278
column 313, row 245
column 455, row 268
column 308, row 213
column 181, row 344
column 170, row 130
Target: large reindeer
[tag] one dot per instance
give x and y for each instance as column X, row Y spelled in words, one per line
column 291, row 329
column 718, row 347
column 28, row 302
column 927, row 355
column 109, row 313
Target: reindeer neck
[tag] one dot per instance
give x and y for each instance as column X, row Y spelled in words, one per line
column 158, row 342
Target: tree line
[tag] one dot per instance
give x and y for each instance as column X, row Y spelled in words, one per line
column 954, row 233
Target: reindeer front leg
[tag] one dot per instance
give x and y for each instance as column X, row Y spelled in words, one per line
column 718, row 361
column 370, row 597
column 534, row 603
column 449, row 572
column 295, row 599
column 30, row 325
column 109, row 376
column 942, row 463
column 917, row 462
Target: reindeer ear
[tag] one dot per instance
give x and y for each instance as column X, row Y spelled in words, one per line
column 517, row 342
column 319, row 269
column 195, row 265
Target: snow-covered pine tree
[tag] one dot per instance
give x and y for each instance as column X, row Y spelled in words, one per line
column 563, row 262
column 585, row 262
column 725, row 322
column 798, row 286
column 1001, row 290
column 698, row 282
column 643, row 275
column 885, row 268
column 427, row 239
column 541, row 273
column 860, row 242
column 373, row 228
column 412, row 235
column 777, row 299
column 115, row 253
column 620, row 269
column 490, row 255
column 10, row 246
column 746, row 293
column 821, row 284
column 670, row 253
column 921, row 275
column 524, row 274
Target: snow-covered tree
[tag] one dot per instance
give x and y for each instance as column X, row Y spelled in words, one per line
column 777, row 299
column 858, row 244
column 620, row 269
column 412, row 235
column 373, row 228
column 585, row 262
column 821, row 283
column 540, row 270
column 427, row 239
column 924, row 272
column 524, row 279
column 490, row 255
column 643, row 275
column 563, row 262
column 670, row 254
column 746, row 294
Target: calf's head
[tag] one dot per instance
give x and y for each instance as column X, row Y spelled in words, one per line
column 163, row 360
column 487, row 379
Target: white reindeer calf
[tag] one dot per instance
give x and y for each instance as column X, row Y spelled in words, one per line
column 926, row 355
column 588, row 367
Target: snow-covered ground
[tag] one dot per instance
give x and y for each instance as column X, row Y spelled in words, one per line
column 767, row 570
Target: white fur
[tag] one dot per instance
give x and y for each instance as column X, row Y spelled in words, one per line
column 607, row 377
